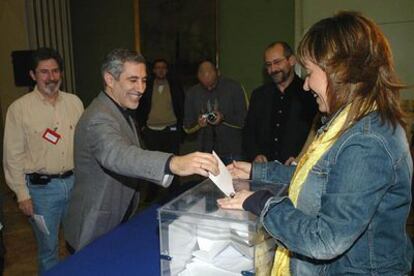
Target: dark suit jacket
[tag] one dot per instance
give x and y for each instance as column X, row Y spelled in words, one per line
column 259, row 127
column 177, row 97
column 108, row 161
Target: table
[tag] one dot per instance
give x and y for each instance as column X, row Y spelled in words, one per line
column 130, row 249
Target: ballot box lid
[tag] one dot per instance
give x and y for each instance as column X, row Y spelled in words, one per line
column 201, row 202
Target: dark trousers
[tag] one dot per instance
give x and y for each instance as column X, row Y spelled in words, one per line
column 166, row 140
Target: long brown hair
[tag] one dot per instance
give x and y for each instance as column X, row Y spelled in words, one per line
column 357, row 58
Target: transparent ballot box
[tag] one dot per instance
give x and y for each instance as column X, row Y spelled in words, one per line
column 199, row 238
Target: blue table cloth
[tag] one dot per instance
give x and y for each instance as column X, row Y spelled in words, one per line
column 130, row 249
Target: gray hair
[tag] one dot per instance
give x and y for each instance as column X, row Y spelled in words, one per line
column 114, row 61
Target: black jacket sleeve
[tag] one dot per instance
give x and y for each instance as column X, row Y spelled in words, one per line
column 256, row 202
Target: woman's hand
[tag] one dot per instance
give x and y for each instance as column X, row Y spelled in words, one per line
column 240, row 170
column 235, row 202
column 260, row 158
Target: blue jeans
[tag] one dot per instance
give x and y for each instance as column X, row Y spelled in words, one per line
column 50, row 201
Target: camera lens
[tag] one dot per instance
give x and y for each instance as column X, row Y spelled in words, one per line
column 211, row 117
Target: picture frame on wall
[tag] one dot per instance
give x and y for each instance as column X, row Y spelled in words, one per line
column 184, row 32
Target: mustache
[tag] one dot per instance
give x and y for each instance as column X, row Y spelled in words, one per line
column 52, row 82
column 275, row 73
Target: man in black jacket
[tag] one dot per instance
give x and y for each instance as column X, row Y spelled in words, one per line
column 161, row 109
column 280, row 113
column 160, row 118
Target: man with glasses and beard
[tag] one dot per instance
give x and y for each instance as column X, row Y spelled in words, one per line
column 280, row 112
column 38, row 151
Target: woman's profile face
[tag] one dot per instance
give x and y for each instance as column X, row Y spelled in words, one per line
column 316, row 82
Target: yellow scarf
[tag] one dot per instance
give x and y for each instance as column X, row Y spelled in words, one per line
column 319, row 146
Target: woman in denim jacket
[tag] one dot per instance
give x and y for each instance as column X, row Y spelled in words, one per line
column 349, row 196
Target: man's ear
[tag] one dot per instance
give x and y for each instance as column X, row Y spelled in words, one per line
column 32, row 75
column 109, row 80
column 292, row 60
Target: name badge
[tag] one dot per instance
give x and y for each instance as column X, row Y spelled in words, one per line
column 51, row 136
column 173, row 128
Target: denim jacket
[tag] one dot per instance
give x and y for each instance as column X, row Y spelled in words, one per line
column 351, row 212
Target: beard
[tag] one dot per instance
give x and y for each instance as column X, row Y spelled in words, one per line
column 52, row 87
column 279, row 76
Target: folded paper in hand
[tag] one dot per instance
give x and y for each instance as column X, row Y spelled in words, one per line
column 223, row 180
column 41, row 223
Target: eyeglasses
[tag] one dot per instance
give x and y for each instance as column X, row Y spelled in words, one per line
column 275, row 62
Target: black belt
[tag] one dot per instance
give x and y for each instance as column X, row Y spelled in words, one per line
column 43, row 179
column 173, row 127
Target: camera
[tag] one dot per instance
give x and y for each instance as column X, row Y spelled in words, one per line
column 211, row 116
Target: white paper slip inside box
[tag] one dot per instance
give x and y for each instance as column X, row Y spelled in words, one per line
column 223, row 180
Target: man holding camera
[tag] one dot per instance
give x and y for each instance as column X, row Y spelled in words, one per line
column 215, row 109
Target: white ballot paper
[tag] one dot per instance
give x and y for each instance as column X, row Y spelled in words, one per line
column 41, row 224
column 223, row 180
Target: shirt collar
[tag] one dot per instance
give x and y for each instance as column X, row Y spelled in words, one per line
column 125, row 111
column 327, row 120
column 294, row 85
column 160, row 82
column 214, row 86
column 43, row 98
